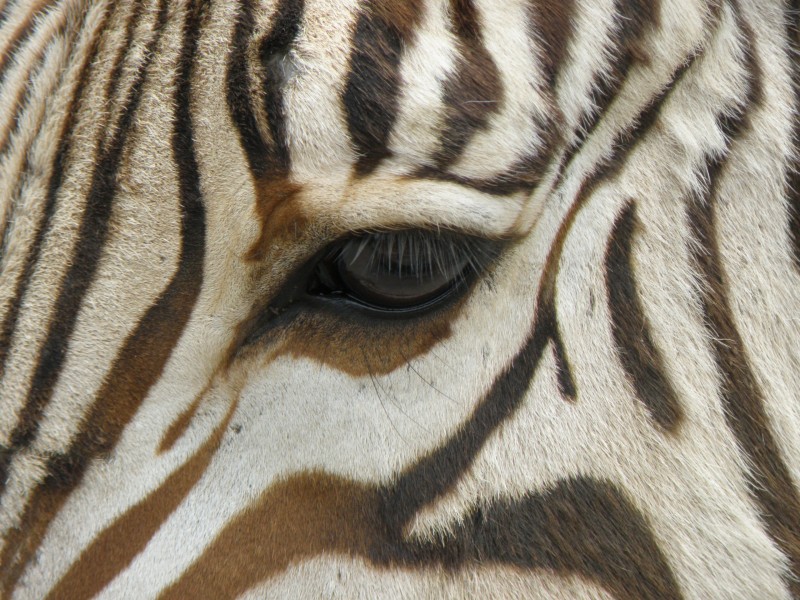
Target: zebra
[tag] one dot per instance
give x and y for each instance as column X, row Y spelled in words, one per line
column 421, row 298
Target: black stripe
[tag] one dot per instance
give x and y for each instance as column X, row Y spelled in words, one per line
column 140, row 362
column 623, row 145
column 566, row 383
column 147, row 349
column 637, row 353
column 21, row 102
column 473, row 93
column 579, row 525
column 115, row 76
column 370, row 97
column 477, row 79
column 553, row 23
column 85, row 260
column 439, row 471
column 770, row 482
column 34, row 69
column 523, row 176
column 238, row 92
column 793, row 34
column 19, row 35
column 265, row 157
column 43, row 227
column 272, row 52
column 636, row 18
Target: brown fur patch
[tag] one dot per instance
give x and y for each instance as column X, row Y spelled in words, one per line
column 280, row 215
column 363, row 351
column 581, row 526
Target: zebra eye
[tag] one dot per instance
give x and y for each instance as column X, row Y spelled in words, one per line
column 403, row 272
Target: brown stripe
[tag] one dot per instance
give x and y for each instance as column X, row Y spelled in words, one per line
column 11, row 317
column 370, row 98
column 349, row 517
column 83, row 264
column 113, row 550
column 769, row 480
column 474, row 92
column 20, row 33
column 580, row 526
column 23, row 540
column 141, row 359
column 33, row 69
column 635, row 19
column 793, row 33
column 638, row 354
column 181, row 424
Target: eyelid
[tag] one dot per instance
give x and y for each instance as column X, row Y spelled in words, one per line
column 400, row 202
column 294, row 294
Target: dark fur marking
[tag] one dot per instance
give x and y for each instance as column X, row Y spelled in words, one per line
column 474, row 92
column 140, row 362
column 272, row 52
column 553, row 22
column 238, row 93
column 636, row 18
column 34, row 68
column 20, row 34
column 382, row 32
column 770, row 484
column 10, row 318
column 579, row 526
column 793, row 191
column 639, row 356
column 83, row 266
column 547, row 318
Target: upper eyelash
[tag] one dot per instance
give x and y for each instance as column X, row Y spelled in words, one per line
column 425, row 251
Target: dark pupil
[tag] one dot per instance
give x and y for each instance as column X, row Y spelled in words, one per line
column 396, row 273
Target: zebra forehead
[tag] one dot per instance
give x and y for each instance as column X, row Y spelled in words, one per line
column 417, row 88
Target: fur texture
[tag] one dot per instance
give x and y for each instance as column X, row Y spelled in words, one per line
column 609, row 410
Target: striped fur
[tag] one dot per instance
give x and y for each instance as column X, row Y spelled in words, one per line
column 610, row 411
